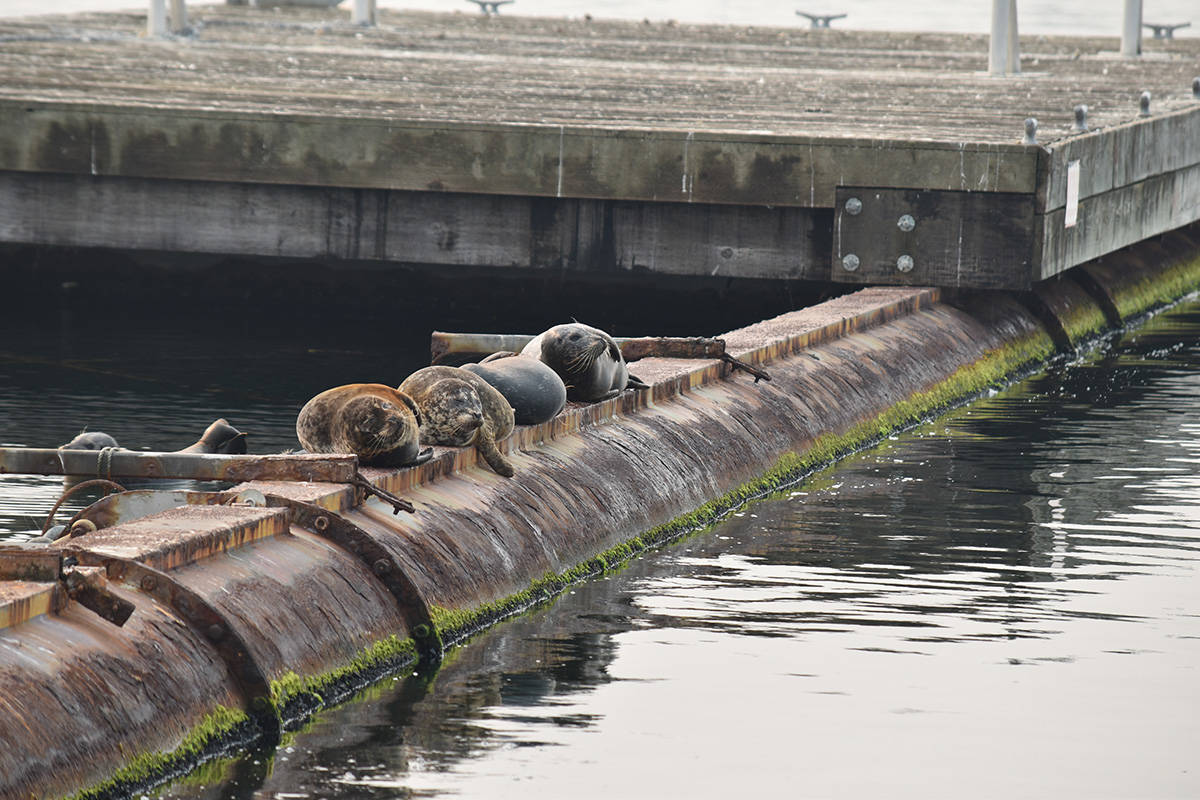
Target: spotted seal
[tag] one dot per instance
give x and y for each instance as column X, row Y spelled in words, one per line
column 377, row 423
column 587, row 359
column 534, row 391
column 459, row 408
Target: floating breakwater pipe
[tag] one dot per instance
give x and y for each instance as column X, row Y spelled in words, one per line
column 256, row 606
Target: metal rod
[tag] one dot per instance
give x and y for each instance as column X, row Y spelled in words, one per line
column 477, row 345
column 194, row 466
column 156, row 20
column 1131, row 29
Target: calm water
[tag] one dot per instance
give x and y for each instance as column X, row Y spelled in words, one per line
column 1002, row 603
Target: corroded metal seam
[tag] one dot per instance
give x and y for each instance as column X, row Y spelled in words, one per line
column 362, row 545
column 196, row 612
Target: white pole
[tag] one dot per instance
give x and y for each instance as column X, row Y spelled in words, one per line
column 1004, row 51
column 1131, row 29
column 178, row 16
column 156, row 20
column 364, row 12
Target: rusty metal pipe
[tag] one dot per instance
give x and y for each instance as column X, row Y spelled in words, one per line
column 112, row 463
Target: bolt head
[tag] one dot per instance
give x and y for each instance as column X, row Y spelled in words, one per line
column 904, row 263
column 381, row 567
column 149, row 583
column 906, row 223
column 853, row 206
column 321, row 523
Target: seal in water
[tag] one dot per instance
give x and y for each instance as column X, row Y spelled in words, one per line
column 586, row 358
column 219, row 437
column 534, row 391
column 95, row 440
column 374, row 422
column 459, row 408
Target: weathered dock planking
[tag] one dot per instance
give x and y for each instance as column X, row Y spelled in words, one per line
column 524, row 143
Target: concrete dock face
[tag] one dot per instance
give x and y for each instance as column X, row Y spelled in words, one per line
column 253, row 607
column 509, row 142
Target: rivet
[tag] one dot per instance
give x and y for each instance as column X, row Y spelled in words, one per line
column 148, row 583
column 850, row 262
column 215, row 631
column 1080, row 125
column 1144, row 105
column 904, row 263
column 1030, row 131
column 321, row 523
column 421, row 631
column 381, row 567
column 853, row 206
column 906, row 223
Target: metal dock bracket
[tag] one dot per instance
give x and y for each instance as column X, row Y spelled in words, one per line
column 924, row 237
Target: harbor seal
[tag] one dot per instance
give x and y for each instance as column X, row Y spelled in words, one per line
column 219, row 437
column 459, row 408
column 93, row 440
column 534, row 391
column 587, row 359
column 377, row 423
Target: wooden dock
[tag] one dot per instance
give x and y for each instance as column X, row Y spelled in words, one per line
column 524, row 143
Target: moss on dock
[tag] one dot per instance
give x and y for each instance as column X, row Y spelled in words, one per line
column 221, row 730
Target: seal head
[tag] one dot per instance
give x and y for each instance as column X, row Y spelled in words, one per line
column 377, row 423
column 587, row 359
column 459, row 408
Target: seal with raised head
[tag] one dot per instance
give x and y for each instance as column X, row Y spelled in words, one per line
column 587, row 359
column 90, row 440
column 534, row 391
column 377, row 423
column 219, row 437
column 459, row 408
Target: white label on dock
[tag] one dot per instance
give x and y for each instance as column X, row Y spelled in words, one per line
column 1072, row 215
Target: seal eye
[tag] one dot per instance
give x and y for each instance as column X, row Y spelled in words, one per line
column 573, row 336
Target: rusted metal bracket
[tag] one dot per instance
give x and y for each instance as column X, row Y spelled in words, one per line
column 398, row 504
column 759, row 374
column 200, row 615
column 359, row 543
column 84, row 585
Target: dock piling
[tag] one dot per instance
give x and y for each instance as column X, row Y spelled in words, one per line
column 1004, row 49
column 364, row 13
column 1131, row 29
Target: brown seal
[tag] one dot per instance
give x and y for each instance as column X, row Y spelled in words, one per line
column 219, row 437
column 587, row 359
column 374, row 422
column 459, row 408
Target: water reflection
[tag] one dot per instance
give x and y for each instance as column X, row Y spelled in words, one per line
column 999, row 603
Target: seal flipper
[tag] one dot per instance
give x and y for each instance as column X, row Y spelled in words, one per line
column 634, row 382
column 485, row 443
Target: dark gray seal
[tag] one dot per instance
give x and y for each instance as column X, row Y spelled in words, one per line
column 377, row 423
column 587, row 359
column 459, row 408
column 534, row 391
